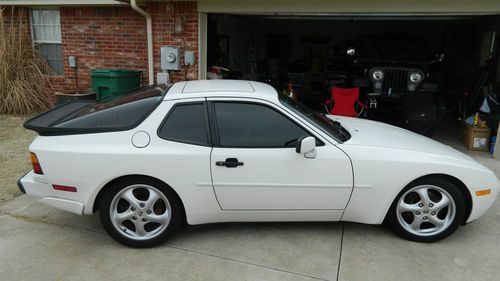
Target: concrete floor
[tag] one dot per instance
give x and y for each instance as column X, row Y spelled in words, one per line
column 41, row 243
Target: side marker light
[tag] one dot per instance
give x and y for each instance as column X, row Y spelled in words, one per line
column 483, row 192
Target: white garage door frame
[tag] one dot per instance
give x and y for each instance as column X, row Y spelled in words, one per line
column 335, row 8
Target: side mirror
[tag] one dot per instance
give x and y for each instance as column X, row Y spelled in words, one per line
column 306, row 145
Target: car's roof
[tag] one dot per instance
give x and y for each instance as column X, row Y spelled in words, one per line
column 221, row 88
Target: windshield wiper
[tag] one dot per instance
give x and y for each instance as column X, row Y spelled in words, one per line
column 336, row 124
column 340, row 131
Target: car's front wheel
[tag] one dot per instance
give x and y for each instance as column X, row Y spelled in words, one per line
column 140, row 212
column 428, row 210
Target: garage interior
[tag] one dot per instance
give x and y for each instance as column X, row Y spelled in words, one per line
column 308, row 53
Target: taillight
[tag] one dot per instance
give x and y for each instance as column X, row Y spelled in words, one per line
column 36, row 165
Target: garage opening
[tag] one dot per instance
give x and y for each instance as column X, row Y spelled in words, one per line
column 411, row 71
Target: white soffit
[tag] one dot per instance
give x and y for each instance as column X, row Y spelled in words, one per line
column 352, row 7
column 60, row 3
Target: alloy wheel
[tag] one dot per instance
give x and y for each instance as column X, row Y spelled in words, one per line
column 140, row 212
column 426, row 210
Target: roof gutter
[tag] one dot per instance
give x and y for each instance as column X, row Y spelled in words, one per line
column 61, row 3
column 149, row 24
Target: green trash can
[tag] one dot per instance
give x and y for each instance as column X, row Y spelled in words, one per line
column 109, row 84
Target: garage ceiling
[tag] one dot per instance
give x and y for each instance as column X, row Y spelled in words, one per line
column 387, row 7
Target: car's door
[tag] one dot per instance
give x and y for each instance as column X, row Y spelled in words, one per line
column 268, row 174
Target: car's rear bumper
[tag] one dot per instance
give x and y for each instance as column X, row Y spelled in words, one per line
column 34, row 185
column 20, row 185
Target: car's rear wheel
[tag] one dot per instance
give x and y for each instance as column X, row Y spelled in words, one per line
column 140, row 212
column 428, row 210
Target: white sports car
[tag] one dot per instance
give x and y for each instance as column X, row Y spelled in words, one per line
column 225, row 151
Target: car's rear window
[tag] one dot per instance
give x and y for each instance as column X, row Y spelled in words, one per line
column 119, row 114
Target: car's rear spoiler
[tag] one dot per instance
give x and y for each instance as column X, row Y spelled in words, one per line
column 44, row 123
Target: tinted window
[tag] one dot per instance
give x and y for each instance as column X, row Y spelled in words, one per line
column 119, row 114
column 123, row 116
column 252, row 125
column 186, row 123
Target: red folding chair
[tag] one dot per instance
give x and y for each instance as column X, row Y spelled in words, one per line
column 344, row 101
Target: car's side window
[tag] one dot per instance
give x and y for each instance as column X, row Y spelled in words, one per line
column 186, row 123
column 243, row 124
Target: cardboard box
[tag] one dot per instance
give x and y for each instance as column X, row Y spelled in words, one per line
column 475, row 138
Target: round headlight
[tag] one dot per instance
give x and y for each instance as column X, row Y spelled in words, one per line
column 415, row 77
column 378, row 75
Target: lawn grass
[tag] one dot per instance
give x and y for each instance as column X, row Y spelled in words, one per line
column 14, row 154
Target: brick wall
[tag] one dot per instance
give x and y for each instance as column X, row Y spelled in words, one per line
column 163, row 33
column 115, row 37
column 15, row 19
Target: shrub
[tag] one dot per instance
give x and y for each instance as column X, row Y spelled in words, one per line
column 24, row 85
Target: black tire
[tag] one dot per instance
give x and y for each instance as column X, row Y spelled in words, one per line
column 125, row 236
column 401, row 223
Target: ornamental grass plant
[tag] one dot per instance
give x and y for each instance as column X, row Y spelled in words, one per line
column 24, row 84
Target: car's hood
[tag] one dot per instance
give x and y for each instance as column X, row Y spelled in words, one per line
column 371, row 133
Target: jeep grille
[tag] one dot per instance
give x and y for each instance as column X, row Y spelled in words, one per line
column 395, row 79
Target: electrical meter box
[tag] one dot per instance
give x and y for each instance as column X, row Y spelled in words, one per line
column 189, row 58
column 170, row 58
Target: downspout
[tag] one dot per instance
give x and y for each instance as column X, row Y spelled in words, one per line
column 149, row 23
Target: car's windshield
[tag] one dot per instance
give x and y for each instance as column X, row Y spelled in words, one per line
column 328, row 126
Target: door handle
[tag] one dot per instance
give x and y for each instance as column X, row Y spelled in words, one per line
column 229, row 163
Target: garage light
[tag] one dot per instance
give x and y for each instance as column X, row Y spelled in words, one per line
column 179, row 24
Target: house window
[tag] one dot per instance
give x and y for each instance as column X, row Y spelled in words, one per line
column 46, row 32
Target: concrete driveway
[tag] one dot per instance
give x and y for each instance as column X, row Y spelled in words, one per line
column 41, row 243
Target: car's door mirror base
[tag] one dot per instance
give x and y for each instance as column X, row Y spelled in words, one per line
column 306, row 145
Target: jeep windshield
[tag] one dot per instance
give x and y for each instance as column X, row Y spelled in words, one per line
column 394, row 49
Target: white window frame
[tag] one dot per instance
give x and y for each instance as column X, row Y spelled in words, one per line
column 34, row 42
